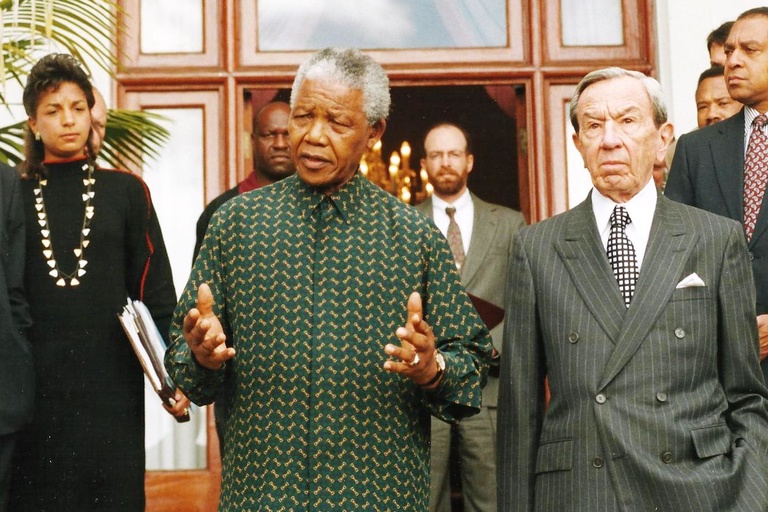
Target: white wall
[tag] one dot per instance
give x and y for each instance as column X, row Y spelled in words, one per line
column 682, row 27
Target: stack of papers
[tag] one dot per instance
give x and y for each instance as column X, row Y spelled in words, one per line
column 150, row 348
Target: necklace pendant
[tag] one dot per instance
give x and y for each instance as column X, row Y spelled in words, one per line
column 62, row 279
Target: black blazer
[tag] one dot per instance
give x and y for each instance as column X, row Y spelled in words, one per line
column 708, row 172
column 16, row 371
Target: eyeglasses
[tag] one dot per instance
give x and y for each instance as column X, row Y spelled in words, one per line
column 453, row 156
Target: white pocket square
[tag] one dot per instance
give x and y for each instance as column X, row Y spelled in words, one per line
column 690, row 281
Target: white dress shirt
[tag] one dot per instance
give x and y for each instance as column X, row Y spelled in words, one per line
column 465, row 216
column 640, row 209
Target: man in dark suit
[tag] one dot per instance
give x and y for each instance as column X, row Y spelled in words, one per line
column 16, row 374
column 640, row 311
column 486, row 232
column 708, row 170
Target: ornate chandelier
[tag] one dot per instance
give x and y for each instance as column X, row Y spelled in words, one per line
column 397, row 178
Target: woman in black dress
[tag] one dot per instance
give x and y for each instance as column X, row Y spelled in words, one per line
column 93, row 240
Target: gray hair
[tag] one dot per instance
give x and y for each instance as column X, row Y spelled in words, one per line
column 652, row 87
column 350, row 67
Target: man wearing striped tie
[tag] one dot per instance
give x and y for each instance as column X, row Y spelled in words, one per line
column 480, row 237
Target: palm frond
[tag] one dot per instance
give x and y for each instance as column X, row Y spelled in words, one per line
column 83, row 29
column 132, row 136
column 12, row 143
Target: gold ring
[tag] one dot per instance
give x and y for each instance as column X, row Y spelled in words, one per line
column 415, row 360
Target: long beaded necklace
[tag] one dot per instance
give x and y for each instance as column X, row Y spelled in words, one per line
column 45, row 231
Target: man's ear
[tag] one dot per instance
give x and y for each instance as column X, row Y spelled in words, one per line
column 377, row 130
column 667, row 134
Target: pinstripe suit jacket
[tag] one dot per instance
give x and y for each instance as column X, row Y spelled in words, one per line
column 659, row 407
column 485, row 269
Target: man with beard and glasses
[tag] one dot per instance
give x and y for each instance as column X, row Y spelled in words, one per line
column 271, row 160
column 480, row 235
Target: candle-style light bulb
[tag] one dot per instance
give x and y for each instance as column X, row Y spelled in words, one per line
column 405, row 149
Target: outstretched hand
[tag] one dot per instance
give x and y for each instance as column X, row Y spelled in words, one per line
column 204, row 334
column 417, row 346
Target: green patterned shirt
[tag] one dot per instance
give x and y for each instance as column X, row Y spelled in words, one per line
column 310, row 289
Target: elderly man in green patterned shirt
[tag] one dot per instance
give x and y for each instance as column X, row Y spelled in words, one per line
column 331, row 315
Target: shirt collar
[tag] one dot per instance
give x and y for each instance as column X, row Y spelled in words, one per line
column 749, row 116
column 464, row 201
column 248, row 184
column 345, row 200
column 640, row 208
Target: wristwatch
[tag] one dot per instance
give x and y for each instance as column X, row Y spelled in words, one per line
column 440, row 362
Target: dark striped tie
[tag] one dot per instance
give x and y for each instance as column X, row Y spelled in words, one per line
column 454, row 238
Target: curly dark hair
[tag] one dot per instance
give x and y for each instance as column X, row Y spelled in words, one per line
column 47, row 75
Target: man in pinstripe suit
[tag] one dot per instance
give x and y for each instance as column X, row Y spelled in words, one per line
column 657, row 399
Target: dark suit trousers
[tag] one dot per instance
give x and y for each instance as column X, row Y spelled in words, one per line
column 7, row 443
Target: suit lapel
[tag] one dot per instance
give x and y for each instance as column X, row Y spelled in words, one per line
column 483, row 231
column 669, row 246
column 583, row 255
column 727, row 152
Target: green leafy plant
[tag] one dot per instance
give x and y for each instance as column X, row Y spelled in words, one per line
column 86, row 30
